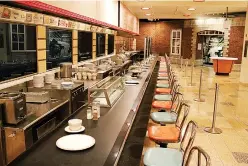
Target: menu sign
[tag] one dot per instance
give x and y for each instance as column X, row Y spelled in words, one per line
column 98, row 29
column 38, row 18
column 16, row 15
column 72, row 24
column 63, row 23
column 51, row 21
column 93, row 28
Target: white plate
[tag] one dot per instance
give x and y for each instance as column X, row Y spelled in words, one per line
column 67, row 129
column 75, row 142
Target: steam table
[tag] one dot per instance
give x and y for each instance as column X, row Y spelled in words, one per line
column 113, row 126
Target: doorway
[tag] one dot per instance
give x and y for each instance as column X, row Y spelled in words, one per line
column 210, row 43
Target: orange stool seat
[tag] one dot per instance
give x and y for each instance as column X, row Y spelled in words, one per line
column 164, row 134
column 163, row 90
column 162, row 104
column 162, row 74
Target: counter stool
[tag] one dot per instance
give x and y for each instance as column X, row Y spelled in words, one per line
column 168, row 96
column 163, row 135
column 200, row 153
column 164, row 118
column 160, row 85
column 167, row 105
column 172, row 87
column 163, row 90
column 162, row 81
column 172, row 157
column 162, row 74
column 163, row 78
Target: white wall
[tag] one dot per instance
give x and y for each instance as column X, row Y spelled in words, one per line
column 107, row 11
column 104, row 10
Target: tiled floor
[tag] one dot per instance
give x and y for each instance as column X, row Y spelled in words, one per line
column 231, row 147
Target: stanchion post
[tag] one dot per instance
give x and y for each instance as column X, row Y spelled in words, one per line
column 199, row 99
column 213, row 129
column 191, row 75
column 181, row 61
column 185, row 68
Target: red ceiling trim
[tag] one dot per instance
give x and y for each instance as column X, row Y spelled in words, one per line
column 62, row 12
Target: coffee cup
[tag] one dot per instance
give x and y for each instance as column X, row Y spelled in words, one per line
column 75, row 124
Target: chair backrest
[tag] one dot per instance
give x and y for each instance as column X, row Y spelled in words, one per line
column 188, row 137
column 182, row 116
column 198, row 161
column 177, row 98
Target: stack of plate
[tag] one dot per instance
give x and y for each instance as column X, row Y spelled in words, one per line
column 49, row 78
column 38, row 81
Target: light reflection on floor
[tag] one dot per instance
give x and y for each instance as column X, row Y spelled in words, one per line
column 231, row 147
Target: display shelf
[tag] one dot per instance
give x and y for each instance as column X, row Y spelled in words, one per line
column 107, row 91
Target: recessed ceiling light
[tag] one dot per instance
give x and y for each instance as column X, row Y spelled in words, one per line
column 191, row 9
column 145, row 8
column 186, row 15
column 148, row 14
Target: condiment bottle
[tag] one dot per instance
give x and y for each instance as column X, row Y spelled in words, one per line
column 89, row 113
column 95, row 113
column 96, row 106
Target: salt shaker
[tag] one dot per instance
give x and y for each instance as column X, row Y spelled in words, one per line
column 89, row 113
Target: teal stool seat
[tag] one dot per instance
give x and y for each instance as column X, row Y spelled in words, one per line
column 164, row 117
column 163, row 85
column 163, row 97
column 163, row 157
column 163, row 78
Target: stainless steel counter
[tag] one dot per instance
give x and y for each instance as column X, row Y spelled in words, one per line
column 38, row 111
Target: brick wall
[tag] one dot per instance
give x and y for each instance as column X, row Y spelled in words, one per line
column 160, row 33
column 186, row 42
column 236, row 42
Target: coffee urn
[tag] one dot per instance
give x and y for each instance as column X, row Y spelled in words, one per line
column 66, row 70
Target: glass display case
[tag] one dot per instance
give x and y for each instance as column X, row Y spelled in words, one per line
column 107, row 91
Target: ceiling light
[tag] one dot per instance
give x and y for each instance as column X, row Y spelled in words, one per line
column 186, row 15
column 145, row 8
column 148, row 14
column 191, row 9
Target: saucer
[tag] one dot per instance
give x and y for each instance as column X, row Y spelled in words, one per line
column 67, row 129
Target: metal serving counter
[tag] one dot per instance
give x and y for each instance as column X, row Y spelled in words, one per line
column 106, row 131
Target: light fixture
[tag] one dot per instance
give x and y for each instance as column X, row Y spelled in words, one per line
column 191, row 9
column 145, row 8
column 186, row 15
column 148, row 14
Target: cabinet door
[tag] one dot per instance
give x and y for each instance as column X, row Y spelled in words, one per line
column 14, row 142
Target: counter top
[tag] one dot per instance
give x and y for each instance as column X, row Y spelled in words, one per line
column 224, row 58
column 106, row 131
